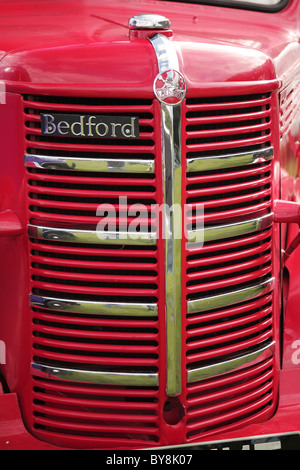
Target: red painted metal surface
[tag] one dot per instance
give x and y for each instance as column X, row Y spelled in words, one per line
column 96, row 58
column 9, row 224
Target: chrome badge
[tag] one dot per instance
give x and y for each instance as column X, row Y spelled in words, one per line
column 170, row 87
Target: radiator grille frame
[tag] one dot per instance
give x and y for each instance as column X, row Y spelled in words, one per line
column 48, row 374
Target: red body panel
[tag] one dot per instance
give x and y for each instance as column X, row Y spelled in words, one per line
column 86, row 49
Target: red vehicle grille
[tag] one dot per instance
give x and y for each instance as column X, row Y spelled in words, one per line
column 231, row 400
column 235, row 256
column 98, row 306
column 93, row 274
column 114, row 416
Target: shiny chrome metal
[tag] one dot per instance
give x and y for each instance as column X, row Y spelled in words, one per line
column 171, row 162
column 219, row 232
column 267, row 3
column 223, row 300
column 149, row 21
column 233, row 365
column 89, row 164
column 96, row 377
column 94, row 308
column 165, row 52
column 91, row 236
column 229, row 161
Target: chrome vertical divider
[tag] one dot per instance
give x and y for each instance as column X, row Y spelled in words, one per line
column 171, row 162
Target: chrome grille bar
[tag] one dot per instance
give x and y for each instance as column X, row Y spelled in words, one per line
column 89, row 164
column 91, row 236
column 171, row 162
column 96, row 308
column 207, row 303
column 229, row 161
column 95, row 377
column 230, row 365
column 220, row 232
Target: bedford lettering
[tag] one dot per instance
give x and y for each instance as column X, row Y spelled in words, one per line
column 91, row 126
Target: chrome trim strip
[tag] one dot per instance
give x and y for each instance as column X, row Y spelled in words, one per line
column 91, row 236
column 229, row 161
column 220, row 232
column 171, row 161
column 165, row 52
column 88, row 164
column 232, row 365
column 223, row 300
column 95, row 377
column 94, row 308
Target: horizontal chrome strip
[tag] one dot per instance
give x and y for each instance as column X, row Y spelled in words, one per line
column 95, row 377
column 223, row 300
column 91, row 236
column 220, row 232
column 94, row 308
column 89, row 164
column 229, row 161
column 232, row 365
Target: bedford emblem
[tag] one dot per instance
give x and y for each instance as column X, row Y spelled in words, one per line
column 89, row 126
column 170, row 87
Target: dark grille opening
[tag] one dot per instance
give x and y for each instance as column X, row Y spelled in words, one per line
column 94, row 258
column 92, row 284
column 221, row 179
column 267, row 398
column 134, row 272
column 226, row 290
column 224, row 196
column 230, row 246
column 229, row 195
column 94, row 354
column 87, row 101
column 105, row 435
column 102, row 185
column 87, row 154
column 99, row 297
column 231, row 400
column 140, row 324
column 92, row 327
column 237, row 350
column 90, row 141
column 228, row 150
column 95, row 411
column 227, row 99
column 220, row 265
column 231, row 332
column 225, row 276
column 222, row 316
column 224, row 125
column 225, row 138
column 79, row 361
column 86, row 246
column 228, row 125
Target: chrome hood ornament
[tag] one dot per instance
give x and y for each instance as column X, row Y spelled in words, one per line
column 149, row 21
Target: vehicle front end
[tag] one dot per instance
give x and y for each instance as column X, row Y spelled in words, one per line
column 148, row 276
